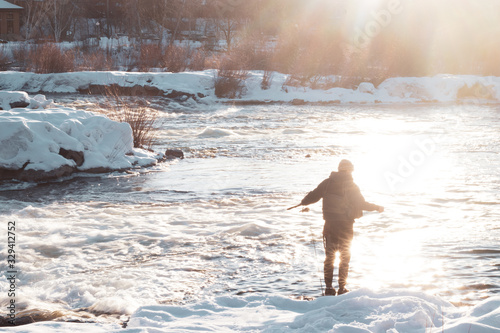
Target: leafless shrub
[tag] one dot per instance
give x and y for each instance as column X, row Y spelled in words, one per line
column 295, row 80
column 20, row 54
column 176, row 58
column 98, row 60
column 4, row 60
column 236, row 59
column 316, row 81
column 213, row 61
column 150, row 56
column 284, row 56
column 266, row 80
column 230, row 78
column 323, row 82
column 198, row 60
column 251, row 54
column 230, row 83
column 48, row 58
column 142, row 119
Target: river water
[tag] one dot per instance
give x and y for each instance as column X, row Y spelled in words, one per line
column 216, row 222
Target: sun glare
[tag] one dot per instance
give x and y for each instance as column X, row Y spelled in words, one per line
column 395, row 259
column 398, row 156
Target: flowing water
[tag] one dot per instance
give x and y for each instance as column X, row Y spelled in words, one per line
column 216, row 222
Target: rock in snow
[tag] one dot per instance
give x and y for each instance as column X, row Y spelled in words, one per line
column 174, row 153
column 20, row 99
column 366, row 87
column 38, row 143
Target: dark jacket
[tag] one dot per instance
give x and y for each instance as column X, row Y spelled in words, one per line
column 342, row 199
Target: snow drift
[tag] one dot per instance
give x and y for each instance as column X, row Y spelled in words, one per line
column 361, row 311
column 358, row 311
column 46, row 141
column 199, row 86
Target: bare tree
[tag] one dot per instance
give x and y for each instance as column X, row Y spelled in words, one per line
column 34, row 15
column 60, row 15
column 159, row 14
column 135, row 17
column 178, row 19
column 228, row 28
column 227, row 15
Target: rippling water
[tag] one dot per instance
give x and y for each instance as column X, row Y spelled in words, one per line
column 216, row 222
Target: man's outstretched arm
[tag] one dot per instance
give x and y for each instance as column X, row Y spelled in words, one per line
column 315, row 195
column 371, row 207
column 363, row 204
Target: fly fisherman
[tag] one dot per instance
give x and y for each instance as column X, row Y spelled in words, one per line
column 342, row 203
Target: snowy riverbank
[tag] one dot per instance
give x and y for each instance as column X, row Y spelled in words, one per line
column 41, row 140
column 199, row 86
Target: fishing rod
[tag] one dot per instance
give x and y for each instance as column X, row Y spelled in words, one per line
column 303, row 210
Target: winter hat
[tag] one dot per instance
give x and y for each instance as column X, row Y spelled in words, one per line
column 346, row 165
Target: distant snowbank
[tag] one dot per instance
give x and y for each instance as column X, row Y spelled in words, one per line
column 43, row 141
column 199, row 86
column 361, row 311
column 178, row 84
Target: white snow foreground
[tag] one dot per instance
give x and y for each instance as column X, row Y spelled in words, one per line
column 47, row 141
column 191, row 87
column 360, row 311
column 357, row 311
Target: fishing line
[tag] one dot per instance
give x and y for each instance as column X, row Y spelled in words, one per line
column 316, row 260
column 305, row 210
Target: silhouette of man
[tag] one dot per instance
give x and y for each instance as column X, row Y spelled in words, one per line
column 342, row 203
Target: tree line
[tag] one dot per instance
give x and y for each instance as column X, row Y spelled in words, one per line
column 308, row 37
column 78, row 19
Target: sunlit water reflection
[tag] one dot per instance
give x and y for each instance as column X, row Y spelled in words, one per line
column 216, row 223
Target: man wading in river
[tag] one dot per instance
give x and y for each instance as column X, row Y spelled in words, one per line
column 342, row 203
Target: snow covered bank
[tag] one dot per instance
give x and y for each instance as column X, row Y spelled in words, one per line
column 440, row 88
column 175, row 85
column 43, row 141
column 199, row 86
column 360, row 311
